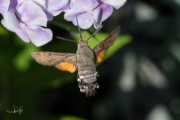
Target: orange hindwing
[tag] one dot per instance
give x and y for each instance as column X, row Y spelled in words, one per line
column 100, row 56
column 66, row 66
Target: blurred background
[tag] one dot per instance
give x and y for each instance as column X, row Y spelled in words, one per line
column 140, row 80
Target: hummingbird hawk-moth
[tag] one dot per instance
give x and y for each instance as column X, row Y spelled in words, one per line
column 84, row 60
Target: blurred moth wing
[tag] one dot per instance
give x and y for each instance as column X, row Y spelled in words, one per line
column 62, row 61
column 100, row 49
column 85, row 60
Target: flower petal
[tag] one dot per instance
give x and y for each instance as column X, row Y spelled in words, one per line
column 101, row 13
column 69, row 15
column 115, row 3
column 20, row 2
column 4, row 6
column 41, row 2
column 55, row 8
column 32, row 14
column 3, row 22
column 38, row 35
column 48, row 14
column 85, row 20
column 21, row 32
column 11, row 20
column 83, row 5
column 79, row 7
column 13, row 5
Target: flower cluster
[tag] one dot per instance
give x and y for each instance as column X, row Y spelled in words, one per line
column 91, row 12
column 28, row 18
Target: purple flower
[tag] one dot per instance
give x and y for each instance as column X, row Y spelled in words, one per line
column 93, row 12
column 55, row 7
column 7, row 10
column 4, row 6
column 83, row 10
column 50, row 7
column 115, row 3
column 28, row 27
column 27, row 18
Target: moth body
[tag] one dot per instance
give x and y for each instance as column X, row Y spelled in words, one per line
column 84, row 60
column 86, row 68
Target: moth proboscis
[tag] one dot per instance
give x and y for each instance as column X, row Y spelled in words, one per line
column 84, row 60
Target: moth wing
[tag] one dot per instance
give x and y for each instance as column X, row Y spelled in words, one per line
column 100, row 49
column 62, row 61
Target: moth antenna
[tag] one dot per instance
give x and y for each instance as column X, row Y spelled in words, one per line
column 94, row 33
column 65, row 39
column 79, row 28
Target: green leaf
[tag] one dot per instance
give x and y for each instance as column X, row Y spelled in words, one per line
column 69, row 117
column 3, row 31
column 22, row 60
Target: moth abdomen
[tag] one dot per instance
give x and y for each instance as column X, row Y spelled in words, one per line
column 88, row 88
column 88, row 81
column 89, row 75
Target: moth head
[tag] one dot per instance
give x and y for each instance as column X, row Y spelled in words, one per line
column 89, row 88
column 82, row 43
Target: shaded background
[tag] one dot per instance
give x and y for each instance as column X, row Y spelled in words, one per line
column 140, row 81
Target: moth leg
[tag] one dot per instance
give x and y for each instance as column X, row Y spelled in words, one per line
column 96, row 86
column 81, row 88
column 80, row 85
column 96, row 74
column 78, row 79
